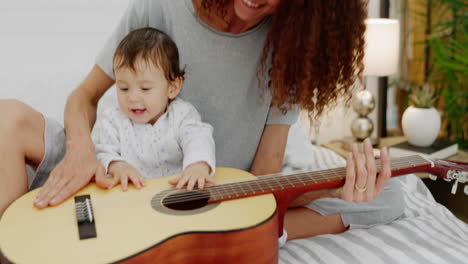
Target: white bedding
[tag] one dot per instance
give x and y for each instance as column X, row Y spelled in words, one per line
column 427, row 233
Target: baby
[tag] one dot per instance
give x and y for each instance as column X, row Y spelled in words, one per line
column 152, row 133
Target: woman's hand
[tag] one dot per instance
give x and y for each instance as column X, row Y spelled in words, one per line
column 122, row 173
column 362, row 183
column 196, row 173
column 72, row 173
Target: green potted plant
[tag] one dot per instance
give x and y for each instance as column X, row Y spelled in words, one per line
column 442, row 26
column 421, row 121
column 447, row 50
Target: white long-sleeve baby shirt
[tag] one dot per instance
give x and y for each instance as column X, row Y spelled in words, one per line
column 177, row 139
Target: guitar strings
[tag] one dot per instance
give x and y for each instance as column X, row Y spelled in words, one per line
column 218, row 194
column 248, row 183
column 185, row 195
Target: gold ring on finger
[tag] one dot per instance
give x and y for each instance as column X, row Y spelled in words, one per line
column 360, row 189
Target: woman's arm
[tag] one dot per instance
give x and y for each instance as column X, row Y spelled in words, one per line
column 79, row 164
column 80, row 113
column 359, row 172
column 270, row 151
column 269, row 159
column 80, row 110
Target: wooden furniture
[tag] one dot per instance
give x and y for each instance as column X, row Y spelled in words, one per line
column 340, row 147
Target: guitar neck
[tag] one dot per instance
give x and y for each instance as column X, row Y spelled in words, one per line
column 307, row 181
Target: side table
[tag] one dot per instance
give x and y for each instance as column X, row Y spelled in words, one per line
column 340, row 147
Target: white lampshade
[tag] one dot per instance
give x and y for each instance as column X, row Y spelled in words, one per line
column 382, row 41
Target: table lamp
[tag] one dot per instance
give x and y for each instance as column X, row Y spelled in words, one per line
column 382, row 39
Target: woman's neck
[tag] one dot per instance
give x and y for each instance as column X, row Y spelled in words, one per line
column 230, row 23
column 237, row 26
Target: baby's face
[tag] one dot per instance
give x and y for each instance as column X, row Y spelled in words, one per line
column 143, row 95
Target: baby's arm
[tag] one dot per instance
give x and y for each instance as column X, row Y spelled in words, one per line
column 107, row 144
column 197, row 173
column 106, row 138
column 123, row 172
column 197, row 143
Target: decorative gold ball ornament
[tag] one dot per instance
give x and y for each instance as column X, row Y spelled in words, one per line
column 363, row 102
column 362, row 127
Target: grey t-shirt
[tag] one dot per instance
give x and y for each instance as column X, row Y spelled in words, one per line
column 221, row 74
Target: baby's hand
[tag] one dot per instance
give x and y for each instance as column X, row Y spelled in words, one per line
column 196, row 173
column 122, row 172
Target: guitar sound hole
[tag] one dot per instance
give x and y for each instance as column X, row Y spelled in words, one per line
column 186, row 200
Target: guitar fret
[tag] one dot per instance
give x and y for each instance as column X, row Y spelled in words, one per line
column 283, row 181
column 278, row 182
column 321, row 176
column 297, row 177
column 309, row 176
column 252, row 191
column 267, row 182
column 275, row 182
column 289, row 182
column 331, row 175
column 229, row 190
column 226, row 192
column 242, row 188
column 260, row 187
column 222, row 193
column 213, row 193
column 337, row 176
column 232, row 185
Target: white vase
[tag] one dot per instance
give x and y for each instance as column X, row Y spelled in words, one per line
column 421, row 125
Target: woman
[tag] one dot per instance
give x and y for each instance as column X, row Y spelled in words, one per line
column 250, row 64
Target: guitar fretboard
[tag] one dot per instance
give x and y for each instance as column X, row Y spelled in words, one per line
column 277, row 182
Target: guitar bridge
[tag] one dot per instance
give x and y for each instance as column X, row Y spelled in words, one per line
column 85, row 217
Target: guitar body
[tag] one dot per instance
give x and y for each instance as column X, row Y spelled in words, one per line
column 237, row 220
column 130, row 230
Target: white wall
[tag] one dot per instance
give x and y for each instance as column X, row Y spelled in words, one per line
column 47, row 47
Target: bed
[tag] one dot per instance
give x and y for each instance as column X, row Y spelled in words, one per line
column 426, row 233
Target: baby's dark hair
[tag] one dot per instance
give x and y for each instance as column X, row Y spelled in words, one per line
column 154, row 46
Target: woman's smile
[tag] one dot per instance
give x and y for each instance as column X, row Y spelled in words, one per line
column 250, row 4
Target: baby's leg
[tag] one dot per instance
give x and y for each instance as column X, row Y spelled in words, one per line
column 21, row 143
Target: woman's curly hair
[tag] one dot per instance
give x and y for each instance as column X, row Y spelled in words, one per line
column 317, row 49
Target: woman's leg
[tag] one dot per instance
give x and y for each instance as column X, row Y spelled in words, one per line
column 332, row 216
column 302, row 222
column 21, row 143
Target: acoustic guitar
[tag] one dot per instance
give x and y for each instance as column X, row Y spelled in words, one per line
column 238, row 220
